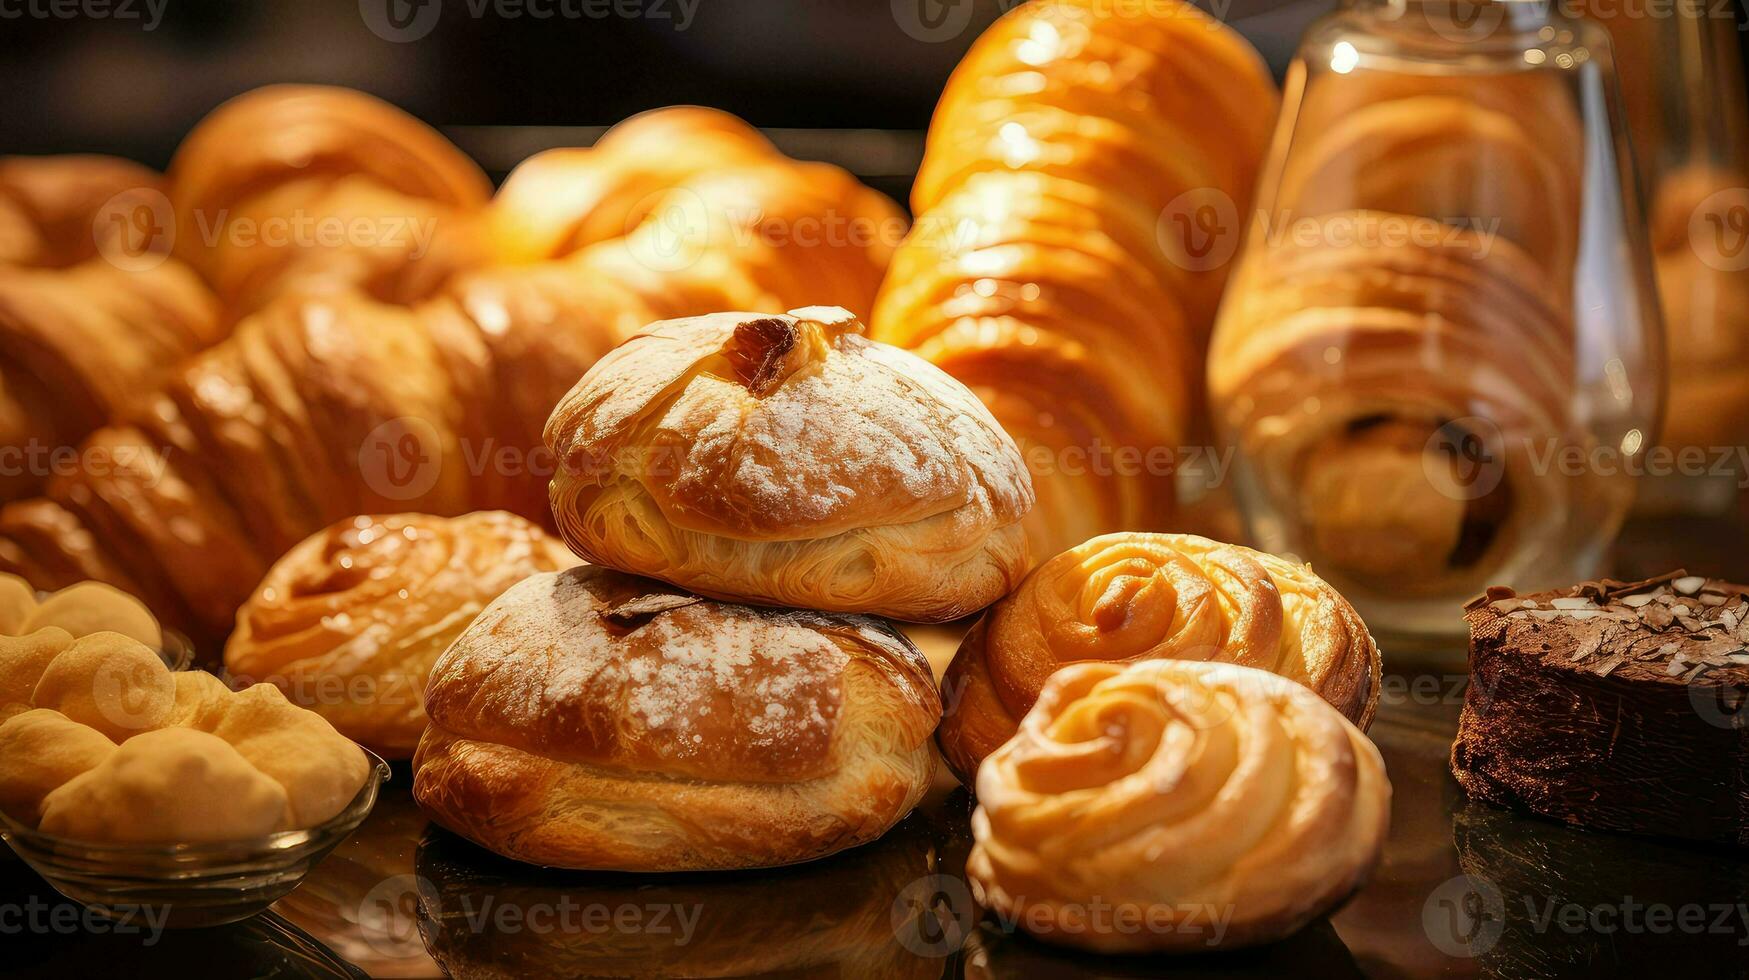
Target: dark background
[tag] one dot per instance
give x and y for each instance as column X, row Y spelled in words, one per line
column 106, row 84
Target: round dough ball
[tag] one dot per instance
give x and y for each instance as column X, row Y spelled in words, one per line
column 22, row 662
column 17, row 602
column 110, row 682
column 93, row 607
column 170, row 785
column 40, row 750
column 320, row 768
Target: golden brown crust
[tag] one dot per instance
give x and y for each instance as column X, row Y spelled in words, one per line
column 1137, row 804
column 1067, row 144
column 786, row 459
column 1128, row 597
column 589, row 718
column 349, row 622
column 333, row 399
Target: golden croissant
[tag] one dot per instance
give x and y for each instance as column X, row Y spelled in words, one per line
column 1176, row 806
column 293, row 187
column 1129, row 597
column 91, row 311
column 331, row 402
column 1081, row 166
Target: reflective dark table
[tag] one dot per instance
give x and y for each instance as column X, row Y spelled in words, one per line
column 1464, row 890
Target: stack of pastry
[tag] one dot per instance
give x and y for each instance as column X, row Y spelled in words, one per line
column 596, row 718
column 333, row 399
column 1400, row 340
column 1084, row 181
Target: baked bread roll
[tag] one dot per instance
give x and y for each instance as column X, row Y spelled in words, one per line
column 1137, row 800
column 109, row 682
column 22, row 662
column 174, row 785
column 593, row 719
column 350, row 621
column 789, row 460
column 1087, row 173
column 39, row 750
column 92, row 607
column 1129, row 597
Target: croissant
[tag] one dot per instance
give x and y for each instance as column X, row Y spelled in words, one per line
column 1176, row 806
column 1074, row 144
column 1140, row 596
column 330, row 403
column 1394, row 390
column 91, row 312
column 303, row 186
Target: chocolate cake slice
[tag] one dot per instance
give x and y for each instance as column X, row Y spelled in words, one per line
column 1613, row 705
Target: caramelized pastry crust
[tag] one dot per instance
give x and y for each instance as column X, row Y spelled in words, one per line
column 349, row 622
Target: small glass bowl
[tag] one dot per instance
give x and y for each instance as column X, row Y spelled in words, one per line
column 188, row 885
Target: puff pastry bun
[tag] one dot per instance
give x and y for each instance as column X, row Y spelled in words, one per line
column 592, row 719
column 789, row 460
column 1139, row 596
column 1138, row 803
column 349, row 622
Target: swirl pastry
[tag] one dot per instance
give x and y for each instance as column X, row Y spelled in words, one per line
column 592, row 719
column 1083, row 183
column 349, row 622
column 788, row 460
column 1139, row 803
column 1136, row 596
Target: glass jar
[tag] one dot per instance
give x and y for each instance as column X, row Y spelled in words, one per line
column 1682, row 78
column 1440, row 357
